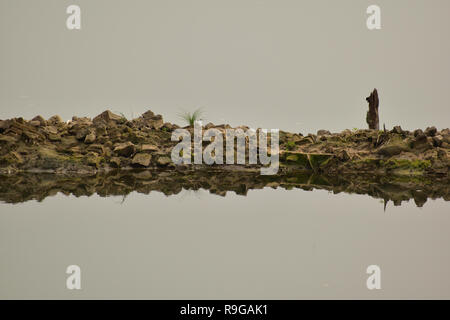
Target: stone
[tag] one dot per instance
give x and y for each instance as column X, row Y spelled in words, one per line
column 107, row 117
column 115, row 162
column 141, row 159
column 81, row 133
column 54, row 137
column 391, row 150
column 148, row 114
column 397, row 129
column 209, row 125
column 125, row 149
column 55, row 120
column 343, row 155
column 148, row 148
column 421, row 142
column 152, row 120
column 163, row 161
column 323, row 132
column 437, row 140
column 97, row 148
column 431, row 131
column 69, row 141
column 35, row 123
column 418, row 132
column 90, row 138
column 40, row 119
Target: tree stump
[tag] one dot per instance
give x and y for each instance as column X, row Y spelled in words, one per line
column 372, row 115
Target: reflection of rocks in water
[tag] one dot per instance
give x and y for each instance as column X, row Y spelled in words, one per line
column 23, row 187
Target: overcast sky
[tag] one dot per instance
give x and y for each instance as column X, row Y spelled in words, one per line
column 293, row 65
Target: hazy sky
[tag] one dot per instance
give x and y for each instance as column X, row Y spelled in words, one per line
column 294, row 65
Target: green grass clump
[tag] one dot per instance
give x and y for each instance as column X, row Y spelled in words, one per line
column 290, row 145
column 190, row 118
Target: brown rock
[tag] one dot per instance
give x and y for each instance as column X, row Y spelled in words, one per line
column 163, row 161
column 55, row 120
column 430, row 131
column 418, row 132
column 148, row 148
column 125, row 149
column 90, row 138
column 97, row 148
column 323, row 132
column 141, row 159
column 40, row 119
column 115, row 162
column 397, row 129
column 437, row 140
column 107, row 117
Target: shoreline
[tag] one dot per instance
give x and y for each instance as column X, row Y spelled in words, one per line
column 109, row 142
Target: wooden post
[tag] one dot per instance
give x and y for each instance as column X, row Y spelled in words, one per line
column 372, row 114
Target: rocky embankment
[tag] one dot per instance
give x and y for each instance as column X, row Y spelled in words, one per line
column 110, row 141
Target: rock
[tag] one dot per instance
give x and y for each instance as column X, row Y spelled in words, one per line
column 437, row 140
column 152, row 120
column 54, row 137
column 323, row 132
column 90, row 138
column 148, row 114
column 55, row 120
column 107, row 117
column 40, row 119
column 17, row 157
column 35, row 123
column 69, row 141
column 418, row 132
column 7, row 140
column 97, row 148
column 421, row 142
column 163, row 161
column 148, row 148
column 430, row 131
column 305, row 140
column 442, row 154
column 142, row 159
column 343, row 155
column 397, row 129
column 391, row 150
column 209, row 125
column 125, row 149
column 50, row 130
column 100, row 130
column 81, row 133
column 346, row 132
column 115, row 162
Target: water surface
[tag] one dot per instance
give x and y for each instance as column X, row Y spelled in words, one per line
column 267, row 244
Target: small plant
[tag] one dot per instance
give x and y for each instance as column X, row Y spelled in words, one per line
column 290, row 145
column 355, row 129
column 123, row 119
column 190, row 118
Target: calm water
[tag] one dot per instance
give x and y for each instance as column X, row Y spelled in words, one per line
column 270, row 244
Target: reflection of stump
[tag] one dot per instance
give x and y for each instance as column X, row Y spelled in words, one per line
column 372, row 114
